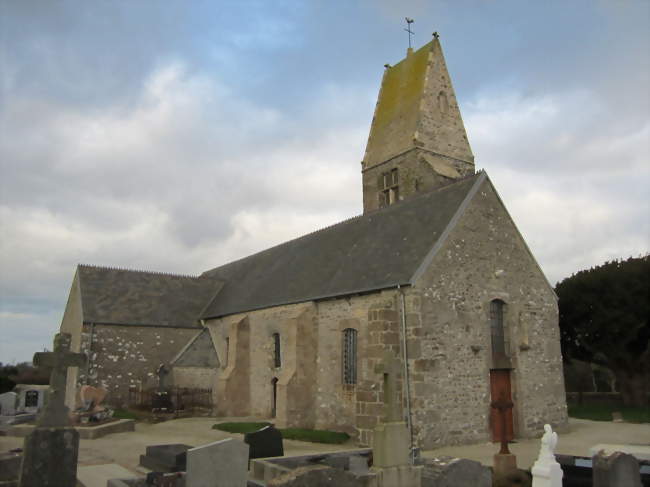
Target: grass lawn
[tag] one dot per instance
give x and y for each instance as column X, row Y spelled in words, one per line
column 315, row 436
column 130, row 414
column 600, row 412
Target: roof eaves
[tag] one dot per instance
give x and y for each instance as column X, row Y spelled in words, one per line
column 316, row 298
column 148, row 325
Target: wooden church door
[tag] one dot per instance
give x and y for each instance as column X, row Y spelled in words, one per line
column 500, row 384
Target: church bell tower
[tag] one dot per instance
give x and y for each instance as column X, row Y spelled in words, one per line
column 417, row 139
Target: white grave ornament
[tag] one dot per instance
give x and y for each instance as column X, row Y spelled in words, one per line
column 546, row 470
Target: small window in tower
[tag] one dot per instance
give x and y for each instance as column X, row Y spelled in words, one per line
column 227, row 349
column 389, row 188
column 277, row 360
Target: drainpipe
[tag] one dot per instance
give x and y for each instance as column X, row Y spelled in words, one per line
column 90, row 352
column 406, row 372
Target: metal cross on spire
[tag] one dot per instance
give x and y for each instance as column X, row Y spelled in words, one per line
column 408, row 29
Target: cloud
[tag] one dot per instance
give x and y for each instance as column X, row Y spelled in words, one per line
column 578, row 191
column 184, row 178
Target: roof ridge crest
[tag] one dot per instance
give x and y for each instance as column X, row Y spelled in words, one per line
column 141, row 271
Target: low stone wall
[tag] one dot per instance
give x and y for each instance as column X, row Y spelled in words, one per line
column 85, row 432
column 602, row 398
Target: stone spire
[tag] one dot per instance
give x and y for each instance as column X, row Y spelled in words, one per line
column 417, row 139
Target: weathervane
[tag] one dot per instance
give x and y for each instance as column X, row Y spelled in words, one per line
column 408, row 29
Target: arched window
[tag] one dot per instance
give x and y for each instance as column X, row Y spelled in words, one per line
column 277, row 358
column 349, row 356
column 496, row 328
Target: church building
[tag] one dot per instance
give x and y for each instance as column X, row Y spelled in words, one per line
column 434, row 272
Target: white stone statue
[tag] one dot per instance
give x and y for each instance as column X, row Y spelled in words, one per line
column 546, row 471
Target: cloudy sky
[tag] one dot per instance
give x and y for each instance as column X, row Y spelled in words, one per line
column 179, row 135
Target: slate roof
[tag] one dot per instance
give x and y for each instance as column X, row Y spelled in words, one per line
column 199, row 352
column 377, row 250
column 120, row 296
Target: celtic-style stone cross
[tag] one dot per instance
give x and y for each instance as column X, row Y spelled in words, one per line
column 390, row 369
column 55, row 412
column 503, row 405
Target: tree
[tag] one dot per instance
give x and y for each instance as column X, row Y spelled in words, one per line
column 604, row 314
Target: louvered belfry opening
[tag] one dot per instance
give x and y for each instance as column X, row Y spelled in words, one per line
column 349, row 356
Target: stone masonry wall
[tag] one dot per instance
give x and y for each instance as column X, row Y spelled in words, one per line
column 123, row 356
column 449, row 343
column 355, row 409
column 418, row 169
column 194, row 377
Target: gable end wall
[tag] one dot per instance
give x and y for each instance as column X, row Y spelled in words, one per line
column 449, row 344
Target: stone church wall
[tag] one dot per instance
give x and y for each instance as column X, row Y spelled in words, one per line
column 355, row 409
column 194, row 377
column 123, row 356
column 450, row 355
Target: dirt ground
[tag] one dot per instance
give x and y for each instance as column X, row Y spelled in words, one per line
column 125, row 448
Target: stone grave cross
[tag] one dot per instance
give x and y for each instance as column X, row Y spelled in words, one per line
column 162, row 373
column 503, row 405
column 55, row 412
column 390, row 368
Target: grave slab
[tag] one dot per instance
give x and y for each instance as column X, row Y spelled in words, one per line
column 451, row 472
column 220, row 464
column 165, row 458
column 85, row 432
column 99, row 475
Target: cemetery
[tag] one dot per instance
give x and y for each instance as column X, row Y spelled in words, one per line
column 416, row 345
column 50, row 452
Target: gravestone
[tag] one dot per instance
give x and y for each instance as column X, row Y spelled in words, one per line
column 161, row 399
column 50, row 451
column 31, row 398
column 446, row 471
column 8, row 404
column 266, row 442
column 391, row 442
column 616, row 470
column 391, row 439
column 546, row 471
column 220, row 464
column 165, row 458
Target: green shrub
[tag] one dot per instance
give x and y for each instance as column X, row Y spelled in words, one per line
column 239, row 427
column 125, row 414
column 603, row 412
column 300, row 434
